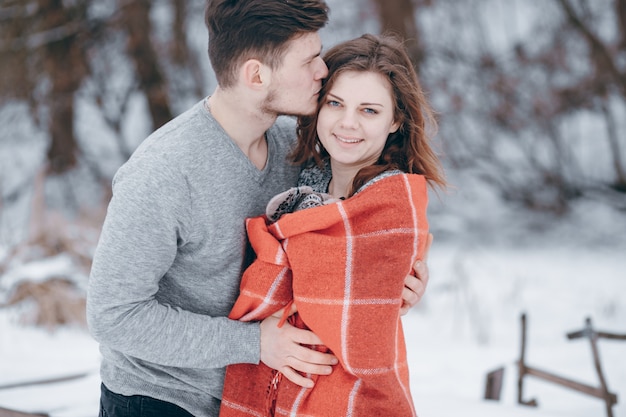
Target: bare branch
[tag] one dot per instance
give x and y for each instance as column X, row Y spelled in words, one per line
column 620, row 8
column 598, row 48
column 43, row 38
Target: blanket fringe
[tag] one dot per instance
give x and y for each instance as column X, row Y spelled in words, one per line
column 272, row 394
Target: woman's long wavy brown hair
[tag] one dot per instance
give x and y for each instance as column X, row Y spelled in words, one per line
column 408, row 149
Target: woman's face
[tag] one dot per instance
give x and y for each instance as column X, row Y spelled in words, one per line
column 356, row 118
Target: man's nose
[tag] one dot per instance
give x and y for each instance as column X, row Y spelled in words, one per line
column 322, row 70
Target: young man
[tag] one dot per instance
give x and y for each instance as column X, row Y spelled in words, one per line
column 167, row 268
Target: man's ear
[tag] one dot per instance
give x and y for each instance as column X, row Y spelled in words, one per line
column 255, row 75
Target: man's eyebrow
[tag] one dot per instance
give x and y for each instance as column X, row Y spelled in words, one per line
column 315, row 55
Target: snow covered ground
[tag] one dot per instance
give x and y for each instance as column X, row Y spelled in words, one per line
column 467, row 325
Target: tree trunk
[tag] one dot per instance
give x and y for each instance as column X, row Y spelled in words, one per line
column 620, row 8
column 180, row 51
column 64, row 65
column 614, row 144
column 136, row 20
column 398, row 17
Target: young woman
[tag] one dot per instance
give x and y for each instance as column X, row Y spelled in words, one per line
column 342, row 261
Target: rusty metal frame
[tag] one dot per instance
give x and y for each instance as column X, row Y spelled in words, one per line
column 601, row 392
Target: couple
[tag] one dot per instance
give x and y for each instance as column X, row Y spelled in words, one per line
column 166, row 272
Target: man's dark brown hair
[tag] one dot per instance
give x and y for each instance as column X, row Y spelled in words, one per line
column 257, row 29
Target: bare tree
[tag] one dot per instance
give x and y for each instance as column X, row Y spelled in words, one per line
column 398, row 17
column 43, row 38
column 65, row 65
column 607, row 78
column 136, row 21
column 183, row 62
column 54, row 52
column 506, row 108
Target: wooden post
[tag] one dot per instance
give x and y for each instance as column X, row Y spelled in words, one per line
column 593, row 338
column 493, row 387
column 601, row 392
column 522, row 368
column 568, row 383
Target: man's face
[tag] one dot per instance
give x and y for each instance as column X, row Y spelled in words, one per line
column 296, row 83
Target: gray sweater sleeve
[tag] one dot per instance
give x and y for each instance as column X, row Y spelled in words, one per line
column 149, row 218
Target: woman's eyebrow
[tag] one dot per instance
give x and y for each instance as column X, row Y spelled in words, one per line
column 336, row 97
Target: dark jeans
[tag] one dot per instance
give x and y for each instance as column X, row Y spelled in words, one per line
column 116, row 405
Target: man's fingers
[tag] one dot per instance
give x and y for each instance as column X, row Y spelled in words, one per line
column 314, row 357
column 421, row 271
column 309, row 355
column 317, row 367
column 413, row 291
column 296, row 378
column 415, row 287
column 309, row 362
column 421, row 265
column 282, row 349
column 305, row 337
column 410, row 297
column 414, row 284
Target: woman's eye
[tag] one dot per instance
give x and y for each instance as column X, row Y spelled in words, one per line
column 370, row 111
column 333, row 103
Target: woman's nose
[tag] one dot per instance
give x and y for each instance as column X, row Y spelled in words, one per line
column 349, row 119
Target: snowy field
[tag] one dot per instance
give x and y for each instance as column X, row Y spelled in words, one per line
column 467, row 325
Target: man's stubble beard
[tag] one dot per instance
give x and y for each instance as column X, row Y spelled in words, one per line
column 270, row 108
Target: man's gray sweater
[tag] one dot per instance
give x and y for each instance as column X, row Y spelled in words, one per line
column 167, row 268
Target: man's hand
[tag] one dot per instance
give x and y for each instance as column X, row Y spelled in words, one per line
column 415, row 286
column 281, row 349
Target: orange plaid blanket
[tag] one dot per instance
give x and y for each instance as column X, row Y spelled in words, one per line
column 344, row 265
